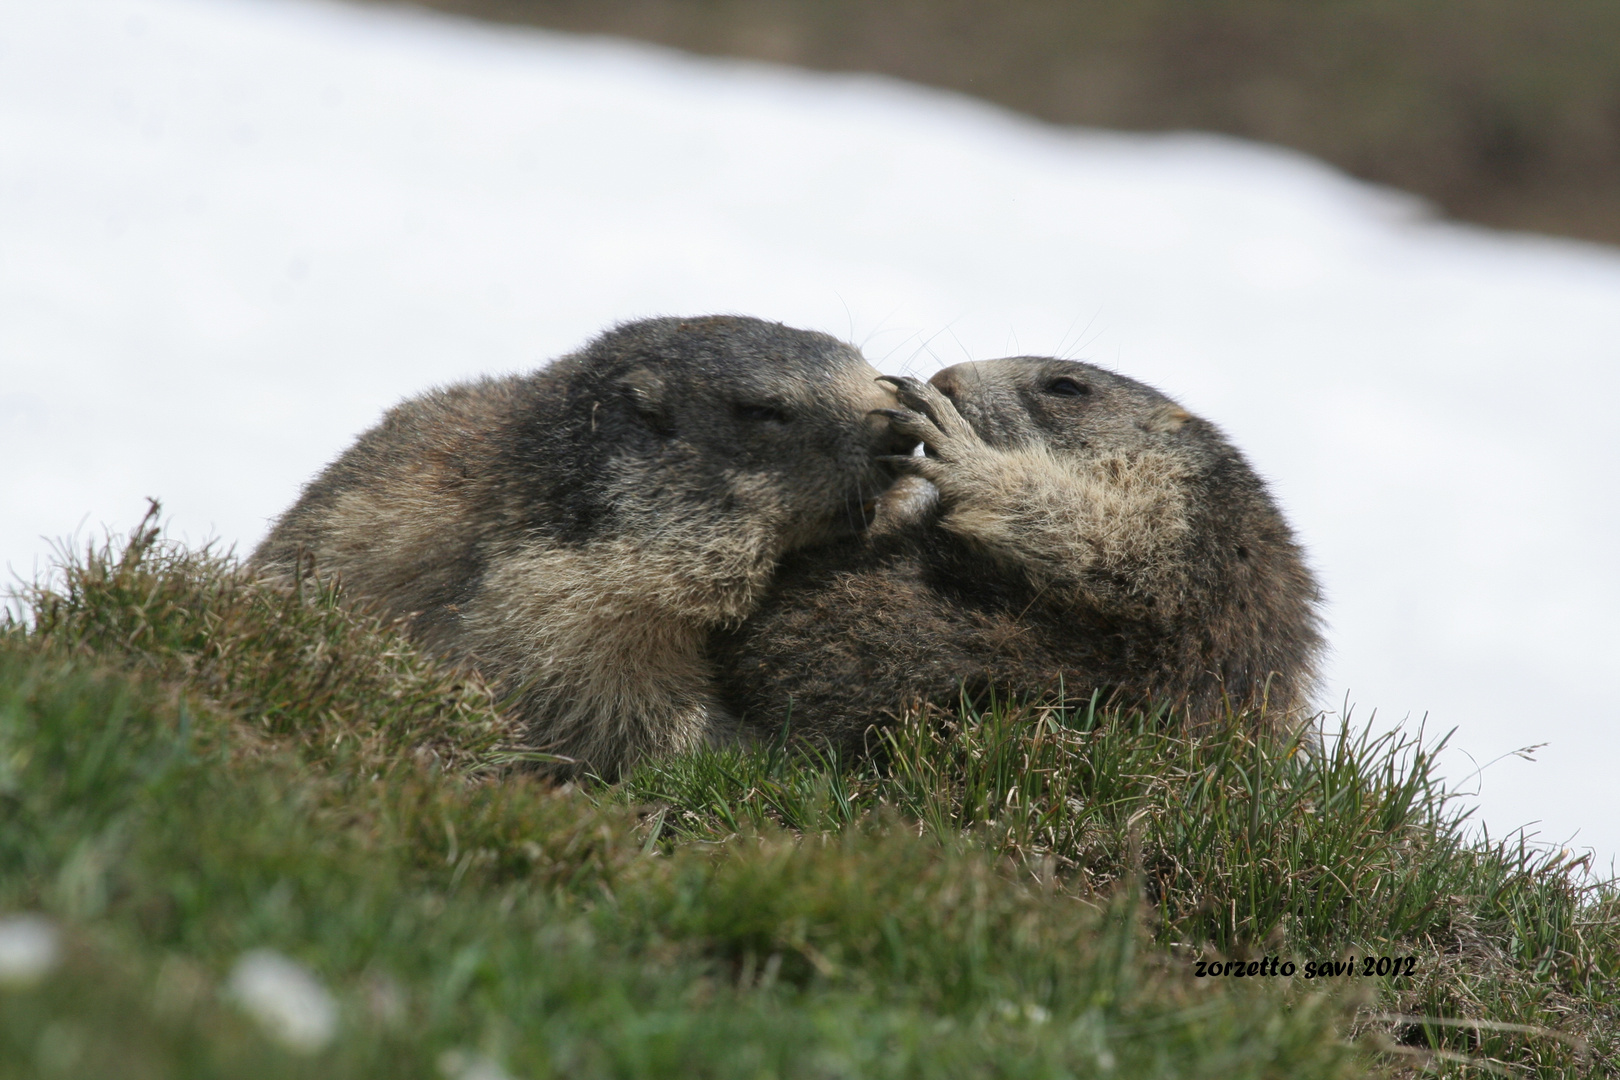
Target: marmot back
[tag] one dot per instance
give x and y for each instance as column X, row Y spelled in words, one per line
column 1076, row 527
column 577, row 532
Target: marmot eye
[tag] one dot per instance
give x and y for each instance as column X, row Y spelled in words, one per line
column 1067, row 388
column 760, row 412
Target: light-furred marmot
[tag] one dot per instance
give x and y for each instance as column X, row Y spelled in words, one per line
column 577, row 532
column 1081, row 527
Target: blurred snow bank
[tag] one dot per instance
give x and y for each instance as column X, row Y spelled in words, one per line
column 233, row 231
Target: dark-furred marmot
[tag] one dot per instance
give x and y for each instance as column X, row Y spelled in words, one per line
column 577, row 532
column 1075, row 527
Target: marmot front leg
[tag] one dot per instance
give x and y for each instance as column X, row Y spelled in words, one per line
column 1104, row 530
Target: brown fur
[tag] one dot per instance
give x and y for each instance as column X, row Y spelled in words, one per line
column 1068, row 526
column 577, row 533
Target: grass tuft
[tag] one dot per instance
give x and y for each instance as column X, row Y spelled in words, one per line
column 297, row 666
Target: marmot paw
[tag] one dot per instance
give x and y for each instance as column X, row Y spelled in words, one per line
column 929, row 417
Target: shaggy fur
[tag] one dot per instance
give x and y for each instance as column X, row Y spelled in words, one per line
column 576, row 533
column 1067, row 526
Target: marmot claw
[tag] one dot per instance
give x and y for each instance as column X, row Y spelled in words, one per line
column 922, row 400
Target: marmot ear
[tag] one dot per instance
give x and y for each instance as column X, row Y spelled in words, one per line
column 1167, row 417
column 645, row 390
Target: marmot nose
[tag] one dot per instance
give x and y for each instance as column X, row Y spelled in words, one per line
column 945, row 382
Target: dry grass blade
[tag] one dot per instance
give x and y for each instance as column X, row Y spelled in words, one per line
column 1575, row 1042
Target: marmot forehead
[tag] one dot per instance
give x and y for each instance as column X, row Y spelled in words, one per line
column 1064, row 404
column 723, row 361
column 732, row 347
column 1036, row 373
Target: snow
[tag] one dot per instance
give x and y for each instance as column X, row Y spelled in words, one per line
column 232, row 232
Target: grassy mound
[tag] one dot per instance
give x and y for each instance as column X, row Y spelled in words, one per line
column 259, row 835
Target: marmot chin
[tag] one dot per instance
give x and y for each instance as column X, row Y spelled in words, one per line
column 1080, row 528
column 576, row 533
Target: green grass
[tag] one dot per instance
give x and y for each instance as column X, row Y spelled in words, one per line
column 192, row 768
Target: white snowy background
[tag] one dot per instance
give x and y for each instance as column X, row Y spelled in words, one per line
column 232, row 232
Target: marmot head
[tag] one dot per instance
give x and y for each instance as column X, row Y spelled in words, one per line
column 1065, row 405
column 725, row 419
column 1233, row 569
